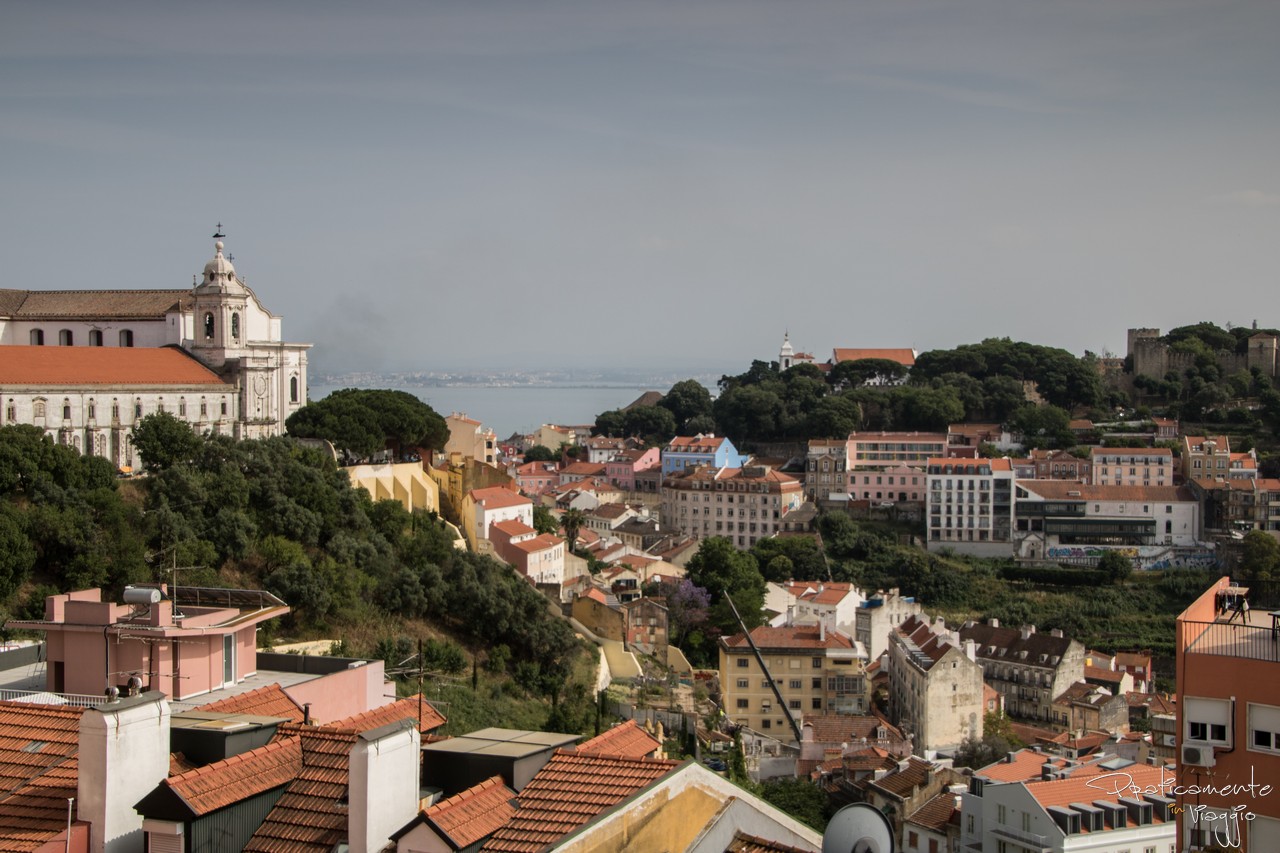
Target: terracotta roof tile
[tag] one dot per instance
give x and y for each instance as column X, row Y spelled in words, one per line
column 627, row 740
column 905, row 357
column 937, row 813
column 513, row 527
column 496, row 496
column 474, row 814
column 1080, row 788
column 38, row 771
column 570, row 790
column 80, row 366
column 214, row 786
column 1067, row 489
column 847, row 728
column 790, row 637
column 269, row 701
column 311, row 815
column 906, row 779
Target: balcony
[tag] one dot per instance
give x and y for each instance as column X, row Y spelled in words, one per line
column 1255, row 637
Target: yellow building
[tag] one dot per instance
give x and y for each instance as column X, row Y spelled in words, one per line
column 817, row 671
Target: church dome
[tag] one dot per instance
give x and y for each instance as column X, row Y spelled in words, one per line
column 219, row 273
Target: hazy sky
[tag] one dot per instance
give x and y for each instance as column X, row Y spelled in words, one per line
column 544, row 182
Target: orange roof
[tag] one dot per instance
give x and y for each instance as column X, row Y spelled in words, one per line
column 744, row 843
column 541, row 542
column 496, row 496
column 828, row 592
column 474, row 814
column 570, row 790
column 906, row 357
column 38, row 771
column 269, row 701
column 790, row 637
column 513, row 527
column 1080, row 788
column 1061, row 489
column 214, row 786
column 627, row 740
column 80, row 366
column 1130, row 451
column 311, row 815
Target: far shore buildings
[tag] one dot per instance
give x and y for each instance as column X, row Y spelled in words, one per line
column 87, row 365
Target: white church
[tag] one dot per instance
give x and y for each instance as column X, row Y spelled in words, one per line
column 87, row 365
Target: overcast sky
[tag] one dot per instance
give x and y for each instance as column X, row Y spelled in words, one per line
column 543, row 182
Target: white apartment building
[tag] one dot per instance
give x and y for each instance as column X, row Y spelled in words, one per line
column 1131, row 466
column 970, row 506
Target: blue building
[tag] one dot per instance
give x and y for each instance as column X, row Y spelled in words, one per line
column 686, row 452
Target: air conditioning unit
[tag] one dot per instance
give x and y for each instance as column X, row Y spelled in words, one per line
column 1198, row 756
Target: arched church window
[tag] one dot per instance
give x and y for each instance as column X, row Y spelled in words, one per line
column 224, row 407
column 66, row 338
column 93, row 410
column 95, row 337
column 204, row 407
column 182, row 406
column 11, row 412
column 37, row 408
column 126, row 337
column 37, row 337
column 66, row 410
column 293, row 389
column 115, row 409
column 137, row 410
column 235, row 326
column 208, row 326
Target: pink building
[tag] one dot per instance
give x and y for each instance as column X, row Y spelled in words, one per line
column 621, row 470
column 203, row 641
column 534, row 478
column 898, row 483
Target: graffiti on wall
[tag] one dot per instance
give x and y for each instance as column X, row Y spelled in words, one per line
column 1147, row 557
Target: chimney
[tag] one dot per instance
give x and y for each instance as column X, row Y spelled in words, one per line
column 382, row 785
column 1056, row 632
column 124, row 755
column 822, row 631
column 971, row 650
column 993, row 622
column 1028, row 630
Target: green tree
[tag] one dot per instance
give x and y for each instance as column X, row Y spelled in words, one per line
column 544, row 520
column 851, row 374
column 365, row 422
column 163, row 441
column 686, row 400
column 800, row 798
column 572, row 520
column 653, row 423
column 725, row 572
column 17, row 555
column 1043, row 426
column 612, row 423
column 834, row 417
column 1260, row 556
column 538, row 453
column 1115, row 566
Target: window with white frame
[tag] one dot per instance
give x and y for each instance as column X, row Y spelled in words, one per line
column 1208, row 721
column 1264, row 728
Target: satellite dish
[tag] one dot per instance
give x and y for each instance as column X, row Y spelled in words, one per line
column 858, row 828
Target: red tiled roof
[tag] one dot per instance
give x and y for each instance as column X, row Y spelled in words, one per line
column 570, row 790
column 1080, row 788
column 905, row 357
column 80, row 366
column 829, row 592
column 38, row 771
column 694, row 443
column 513, row 527
column 937, row 813
column 214, row 786
column 1060, row 489
column 1130, row 451
column 627, row 740
column 311, row 815
column 906, row 779
column 960, row 466
column 474, row 814
column 496, row 496
column 846, row 728
column 269, row 701
column 790, row 637
column 542, row 542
